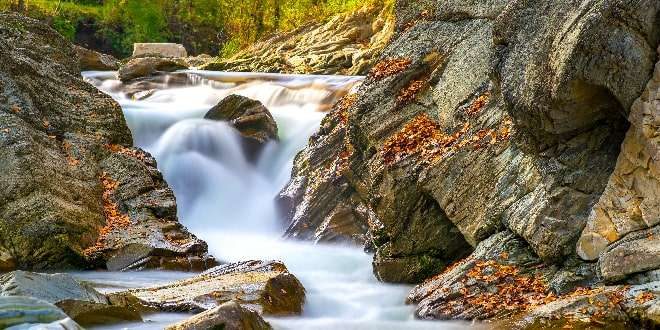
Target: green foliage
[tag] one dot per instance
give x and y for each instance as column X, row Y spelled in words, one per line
column 204, row 26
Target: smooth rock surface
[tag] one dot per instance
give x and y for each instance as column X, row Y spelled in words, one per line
column 159, row 49
column 24, row 313
column 263, row 286
column 78, row 300
column 228, row 316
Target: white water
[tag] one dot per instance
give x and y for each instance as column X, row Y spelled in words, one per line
column 228, row 201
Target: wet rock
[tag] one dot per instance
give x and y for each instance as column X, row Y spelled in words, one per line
column 464, row 128
column 631, row 201
column 347, row 44
column 159, row 50
column 140, row 67
column 24, row 313
column 64, row 147
column 229, row 316
column 263, row 286
column 92, row 60
column 78, row 300
column 249, row 117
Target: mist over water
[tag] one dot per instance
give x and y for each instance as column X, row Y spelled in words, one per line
column 228, row 201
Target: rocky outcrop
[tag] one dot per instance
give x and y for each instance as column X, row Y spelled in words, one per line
column 263, row 286
column 251, row 118
column 614, row 307
column 73, row 194
column 228, row 316
column 159, row 50
column 630, row 204
column 140, row 67
column 347, row 44
column 93, row 60
column 78, row 300
column 479, row 117
column 30, row 313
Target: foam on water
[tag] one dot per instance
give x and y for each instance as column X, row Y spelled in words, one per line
column 228, row 200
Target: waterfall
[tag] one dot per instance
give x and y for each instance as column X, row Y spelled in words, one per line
column 228, row 200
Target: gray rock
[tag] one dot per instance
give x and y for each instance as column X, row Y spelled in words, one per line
column 93, row 60
column 249, row 117
column 78, row 300
column 228, row 316
column 636, row 253
column 159, row 49
column 263, row 286
column 58, row 134
column 141, row 67
column 25, row 313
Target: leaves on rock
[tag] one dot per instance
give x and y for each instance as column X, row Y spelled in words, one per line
column 389, row 67
column 115, row 220
column 409, row 93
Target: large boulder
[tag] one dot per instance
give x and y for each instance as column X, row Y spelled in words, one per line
column 631, row 201
column 263, row 286
column 347, row 44
column 140, row 67
column 249, row 117
column 228, row 316
column 80, row 301
column 93, row 60
column 480, row 116
column 25, row 313
column 70, row 182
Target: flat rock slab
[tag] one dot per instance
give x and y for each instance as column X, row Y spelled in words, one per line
column 30, row 313
column 266, row 287
column 159, row 49
column 79, row 300
column 228, row 316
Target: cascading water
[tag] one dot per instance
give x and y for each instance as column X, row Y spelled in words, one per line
column 227, row 200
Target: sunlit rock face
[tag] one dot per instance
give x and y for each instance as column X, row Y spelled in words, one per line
column 72, row 190
column 631, row 201
column 480, row 117
column 347, row 44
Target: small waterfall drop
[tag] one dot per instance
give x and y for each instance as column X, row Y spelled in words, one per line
column 228, row 200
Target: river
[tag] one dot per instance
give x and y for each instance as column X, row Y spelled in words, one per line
column 227, row 200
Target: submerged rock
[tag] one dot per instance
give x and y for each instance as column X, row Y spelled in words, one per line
column 141, row 67
column 73, row 193
column 92, row 60
column 263, row 286
column 228, row 316
column 25, row 313
column 249, row 117
column 347, row 44
column 78, row 300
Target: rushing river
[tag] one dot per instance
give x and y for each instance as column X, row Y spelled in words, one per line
column 227, row 200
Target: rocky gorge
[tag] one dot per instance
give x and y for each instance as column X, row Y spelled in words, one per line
column 501, row 156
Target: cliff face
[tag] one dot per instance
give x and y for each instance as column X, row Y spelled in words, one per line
column 347, row 44
column 73, row 193
column 483, row 117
